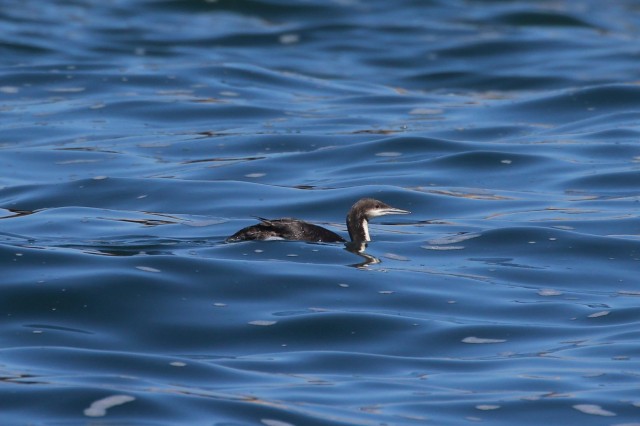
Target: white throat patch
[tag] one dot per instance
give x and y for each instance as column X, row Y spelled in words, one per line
column 365, row 227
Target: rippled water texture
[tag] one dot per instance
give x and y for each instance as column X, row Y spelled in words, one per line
column 137, row 135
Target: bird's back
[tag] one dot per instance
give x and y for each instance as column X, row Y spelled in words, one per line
column 286, row 229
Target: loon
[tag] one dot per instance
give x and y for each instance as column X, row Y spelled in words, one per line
column 297, row 230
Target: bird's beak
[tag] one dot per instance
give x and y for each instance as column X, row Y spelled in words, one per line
column 388, row 210
column 394, row 210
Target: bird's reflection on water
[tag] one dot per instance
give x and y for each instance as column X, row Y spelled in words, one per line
column 358, row 248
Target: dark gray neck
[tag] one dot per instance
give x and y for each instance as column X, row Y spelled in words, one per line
column 358, row 226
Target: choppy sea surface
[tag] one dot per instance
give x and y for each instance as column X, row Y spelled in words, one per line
column 137, row 135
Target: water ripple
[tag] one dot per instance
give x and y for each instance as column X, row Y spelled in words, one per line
column 136, row 140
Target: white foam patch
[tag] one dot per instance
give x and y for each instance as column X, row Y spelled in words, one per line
column 487, row 407
column 99, row 408
column 271, row 422
column 9, row 89
column 66, row 89
column 478, row 340
column 629, row 293
column 289, row 38
column 594, row 410
column 147, row 269
column 549, row 292
column 443, row 248
column 263, row 323
column 599, row 314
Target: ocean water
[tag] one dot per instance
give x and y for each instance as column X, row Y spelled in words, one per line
column 137, row 135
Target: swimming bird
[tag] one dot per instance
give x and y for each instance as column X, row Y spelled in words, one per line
column 298, row 230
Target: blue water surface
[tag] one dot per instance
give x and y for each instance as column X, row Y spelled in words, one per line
column 137, row 135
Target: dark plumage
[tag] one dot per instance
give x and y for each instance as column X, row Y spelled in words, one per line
column 299, row 230
column 286, row 228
